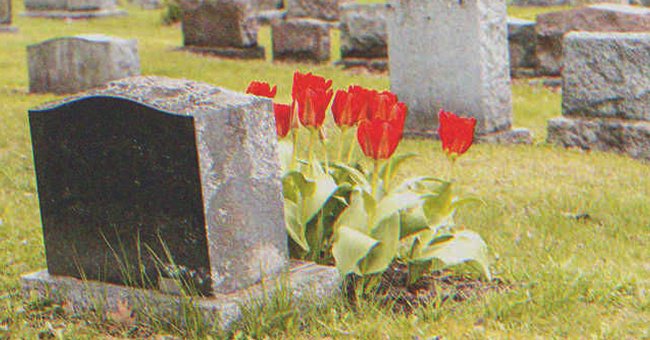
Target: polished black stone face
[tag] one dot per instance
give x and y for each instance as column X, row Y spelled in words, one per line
column 119, row 191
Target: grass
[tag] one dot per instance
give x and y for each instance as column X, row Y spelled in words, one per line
column 587, row 278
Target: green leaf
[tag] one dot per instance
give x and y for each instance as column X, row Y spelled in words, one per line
column 285, row 152
column 464, row 246
column 438, row 208
column 351, row 246
column 417, row 184
column 381, row 256
column 325, row 187
column 356, row 214
column 394, row 164
column 357, row 177
column 392, row 204
column 467, row 200
column 295, row 229
column 412, row 221
column 304, row 186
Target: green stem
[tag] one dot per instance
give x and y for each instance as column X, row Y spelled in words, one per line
column 350, row 153
column 387, row 174
column 294, row 152
column 340, row 151
column 312, row 138
column 375, row 179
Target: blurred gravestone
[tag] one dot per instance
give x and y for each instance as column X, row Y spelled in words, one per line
column 225, row 28
column 605, row 93
column 301, row 40
column 72, row 64
column 5, row 16
column 453, row 55
column 327, row 10
column 363, row 36
column 151, row 180
column 551, row 28
column 521, row 43
column 72, row 9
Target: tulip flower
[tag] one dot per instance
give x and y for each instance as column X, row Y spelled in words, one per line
column 351, row 106
column 378, row 138
column 301, row 82
column 283, row 117
column 312, row 94
column 381, row 103
column 456, row 133
column 261, row 89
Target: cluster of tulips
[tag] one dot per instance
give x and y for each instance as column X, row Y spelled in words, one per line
column 339, row 213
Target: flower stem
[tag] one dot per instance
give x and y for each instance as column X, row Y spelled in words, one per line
column 344, row 129
column 294, row 152
column 350, row 153
column 375, row 179
column 312, row 138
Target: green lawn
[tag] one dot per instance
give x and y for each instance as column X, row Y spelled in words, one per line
column 575, row 279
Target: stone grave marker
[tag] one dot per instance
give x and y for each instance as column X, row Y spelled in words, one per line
column 152, row 180
column 225, row 28
column 301, row 40
column 605, row 93
column 364, row 39
column 73, row 64
column 72, row 9
column 5, row 17
column 327, row 10
column 522, row 42
column 452, row 55
column 551, row 28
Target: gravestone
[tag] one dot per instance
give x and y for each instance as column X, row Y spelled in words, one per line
column 551, row 28
column 5, row 17
column 605, row 93
column 72, row 9
column 327, row 10
column 364, row 39
column 151, row 180
column 306, row 40
column 72, row 64
column 225, row 28
column 452, row 55
column 522, row 42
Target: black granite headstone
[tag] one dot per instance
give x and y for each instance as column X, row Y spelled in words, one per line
column 117, row 180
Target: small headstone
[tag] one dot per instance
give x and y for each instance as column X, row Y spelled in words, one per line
column 522, row 42
column 226, row 28
column 164, row 185
column 364, row 39
column 551, row 28
column 301, row 40
column 72, row 9
column 5, row 17
column 327, row 10
column 73, row 64
column 452, row 55
column 605, row 93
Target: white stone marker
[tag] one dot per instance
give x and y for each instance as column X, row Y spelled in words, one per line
column 452, row 54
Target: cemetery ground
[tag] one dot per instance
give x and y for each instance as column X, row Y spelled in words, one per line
column 568, row 230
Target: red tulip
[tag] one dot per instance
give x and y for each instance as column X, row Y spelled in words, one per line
column 381, row 103
column 312, row 94
column 283, row 117
column 261, row 89
column 456, row 133
column 378, row 138
column 350, row 106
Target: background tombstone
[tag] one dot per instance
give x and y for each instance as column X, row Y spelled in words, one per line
column 605, row 93
column 364, row 39
column 551, row 28
column 5, row 17
column 225, row 28
column 176, row 177
column 327, row 10
column 522, row 42
column 73, row 64
column 452, row 55
column 301, row 40
column 72, row 9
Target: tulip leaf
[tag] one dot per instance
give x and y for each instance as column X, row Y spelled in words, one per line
column 392, row 204
column 381, row 256
column 357, row 177
column 467, row 200
column 295, row 229
column 285, row 153
column 412, row 221
column 438, row 208
column 463, row 246
column 304, row 186
column 417, row 183
column 394, row 164
column 356, row 214
column 324, row 187
column 350, row 247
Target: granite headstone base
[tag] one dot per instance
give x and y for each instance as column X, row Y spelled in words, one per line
column 56, row 14
column 630, row 137
column 255, row 52
column 512, row 136
column 372, row 64
column 309, row 283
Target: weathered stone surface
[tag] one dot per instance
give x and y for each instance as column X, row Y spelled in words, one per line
column 450, row 55
column 72, row 64
column 317, row 9
column 521, row 42
column 551, row 28
column 616, row 135
column 265, row 5
column 309, row 285
column 363, row 31
column 301, row 40
column 148, row 161
column 72, row 9
column 219, row 23
column 5, row 12
column 607, row 75
column 271, row 16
